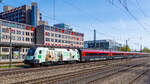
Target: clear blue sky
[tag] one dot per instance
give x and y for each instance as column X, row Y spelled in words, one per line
column 111, row 22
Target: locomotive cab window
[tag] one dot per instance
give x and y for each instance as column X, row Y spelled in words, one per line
column 40, row 52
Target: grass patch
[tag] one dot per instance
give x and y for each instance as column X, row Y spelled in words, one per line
column 13, row 66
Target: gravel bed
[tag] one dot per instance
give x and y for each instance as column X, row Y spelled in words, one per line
column 125, row 77
column 40, row 74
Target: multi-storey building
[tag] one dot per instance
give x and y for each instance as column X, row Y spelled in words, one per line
column 27, row 28
column 23, row 14
column 23, row 34
column 54, row 36
column 103, row 45
column 20, row 34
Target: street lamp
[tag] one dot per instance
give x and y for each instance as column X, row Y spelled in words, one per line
column 10, row 52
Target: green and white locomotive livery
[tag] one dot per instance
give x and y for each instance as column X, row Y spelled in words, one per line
column 42, row 55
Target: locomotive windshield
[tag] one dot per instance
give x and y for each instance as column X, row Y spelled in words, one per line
column 31, row 52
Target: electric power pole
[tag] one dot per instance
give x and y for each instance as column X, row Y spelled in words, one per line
column 126, row 45
column 94, row 38
column 10, row 51
column 141, row 48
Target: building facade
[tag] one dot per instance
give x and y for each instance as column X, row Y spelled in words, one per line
column 23, row 14
column 54, row 36
column 25, row 26
column 23, row 34
column 103, row 45
column 20, row 34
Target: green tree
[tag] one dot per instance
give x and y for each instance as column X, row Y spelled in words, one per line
column 146, row 50
column 123, row 48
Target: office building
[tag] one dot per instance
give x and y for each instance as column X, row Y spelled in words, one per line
column 22, row 34
column 54, row 36
column 103, row 45
column 23, row 14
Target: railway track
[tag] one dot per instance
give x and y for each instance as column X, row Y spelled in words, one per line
column 20, row 75
column 138, row 77
column 55, row 67
column 26, row 70
column 59, row 79
column 75, row 74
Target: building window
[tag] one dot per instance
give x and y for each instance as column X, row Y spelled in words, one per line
column 22, row 49
column 55, row 35
column 5, row 49
column 22, row 32
column 13, row 31
column 47, row 39
column 32, row 40
column 52, row 40
column 59, row 36
column 59, row 41
column 47, row 33
column 7, row 30
column 18, row 38
column 62, row 36
column 13, row 25
column 18, row 25
column 55, row 40
column 3, row 36
column 13, row 37
column 32, row 34
column 4, row 23
column 22, row 38
column 18, row 32
column 9, row 24
column 27, row 33
column 3, row 30
column 52, row 34
column 23, row 27
column 27, row 39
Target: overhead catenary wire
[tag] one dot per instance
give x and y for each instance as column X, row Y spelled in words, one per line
column 84, row 11
column 127, row 11
column 124, row 4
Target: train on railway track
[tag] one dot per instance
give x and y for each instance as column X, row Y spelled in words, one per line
column 40, row 56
